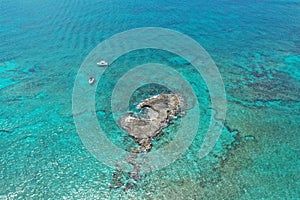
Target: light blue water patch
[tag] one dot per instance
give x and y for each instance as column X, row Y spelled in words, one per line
column 292, row 66
column 7, row 71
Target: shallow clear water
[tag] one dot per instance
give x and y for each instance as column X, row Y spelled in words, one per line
column 256, row 46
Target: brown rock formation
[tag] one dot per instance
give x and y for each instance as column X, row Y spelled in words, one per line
column 158, row 112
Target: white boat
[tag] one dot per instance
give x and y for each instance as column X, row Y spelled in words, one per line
column 91, row 80
column 102, row 63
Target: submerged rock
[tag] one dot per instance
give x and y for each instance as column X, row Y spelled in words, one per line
column 156, row 114
column 249, row 137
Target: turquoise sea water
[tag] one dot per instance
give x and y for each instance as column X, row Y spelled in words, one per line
column 256, row 46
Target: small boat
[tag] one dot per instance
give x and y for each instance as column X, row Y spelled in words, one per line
column 91, row 80
column 102, row 63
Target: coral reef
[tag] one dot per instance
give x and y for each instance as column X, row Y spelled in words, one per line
column 155, row 114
